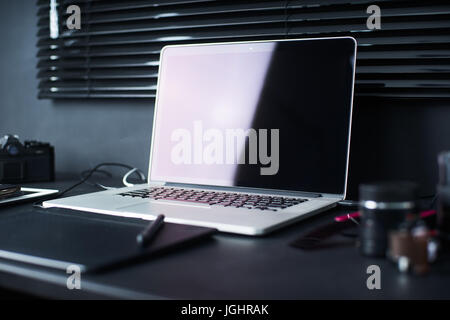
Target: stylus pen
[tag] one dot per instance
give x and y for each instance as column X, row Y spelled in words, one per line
column 354, row 215
column 150, row 231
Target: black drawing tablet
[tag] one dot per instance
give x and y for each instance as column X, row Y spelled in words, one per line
column 57, row 238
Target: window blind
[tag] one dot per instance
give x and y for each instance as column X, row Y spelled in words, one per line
column 115, row 54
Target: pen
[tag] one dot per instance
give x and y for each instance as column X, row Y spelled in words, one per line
column 354, row 215
column 150, row 231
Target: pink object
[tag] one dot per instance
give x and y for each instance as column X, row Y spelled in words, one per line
column 356, row 214
column 347, row 217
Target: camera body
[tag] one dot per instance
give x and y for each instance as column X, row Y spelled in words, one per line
column 31, row 161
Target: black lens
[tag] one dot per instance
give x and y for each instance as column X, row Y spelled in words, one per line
column 383, row 206
column 12, row 149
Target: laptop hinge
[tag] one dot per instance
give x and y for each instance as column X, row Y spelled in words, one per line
column 156, row 183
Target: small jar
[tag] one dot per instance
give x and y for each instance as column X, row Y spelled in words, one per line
column 383, row 207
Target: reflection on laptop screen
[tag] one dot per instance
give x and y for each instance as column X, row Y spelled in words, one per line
column 270, row 115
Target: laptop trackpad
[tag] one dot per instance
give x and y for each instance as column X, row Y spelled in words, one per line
column 152, row 206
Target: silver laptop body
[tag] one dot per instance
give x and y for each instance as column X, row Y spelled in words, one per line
column 247, row 136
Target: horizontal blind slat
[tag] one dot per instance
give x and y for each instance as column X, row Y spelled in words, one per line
column 116, row 53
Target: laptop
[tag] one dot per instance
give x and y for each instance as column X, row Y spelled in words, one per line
column 247, row 136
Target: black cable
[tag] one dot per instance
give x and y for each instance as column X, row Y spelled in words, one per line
column 91, row 172
column 95, row 184
column 85, row 178
column 106, row 173
column 99, row 185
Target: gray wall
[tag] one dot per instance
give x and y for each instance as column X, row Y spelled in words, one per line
column 84, row 132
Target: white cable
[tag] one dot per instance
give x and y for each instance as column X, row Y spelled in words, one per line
column 125, row 177
column 105, row 187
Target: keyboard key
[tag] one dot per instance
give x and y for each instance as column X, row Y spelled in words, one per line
column 216, row 198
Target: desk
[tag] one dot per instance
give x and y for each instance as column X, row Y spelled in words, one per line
column 234, row 267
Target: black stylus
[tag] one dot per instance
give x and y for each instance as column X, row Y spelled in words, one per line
column 150, row 231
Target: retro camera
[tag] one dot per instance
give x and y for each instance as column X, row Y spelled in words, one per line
column 31, row 161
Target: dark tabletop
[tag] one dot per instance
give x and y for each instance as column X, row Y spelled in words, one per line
column 235, row 267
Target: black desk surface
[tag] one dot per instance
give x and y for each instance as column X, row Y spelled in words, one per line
column 235, row 267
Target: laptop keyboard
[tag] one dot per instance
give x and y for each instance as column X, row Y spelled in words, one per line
column 216, row 198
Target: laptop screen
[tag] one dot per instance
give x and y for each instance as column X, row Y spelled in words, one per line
column 272, row 115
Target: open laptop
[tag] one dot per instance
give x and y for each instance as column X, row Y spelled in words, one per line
column 247, row 136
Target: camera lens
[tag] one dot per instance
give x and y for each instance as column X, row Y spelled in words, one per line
column 383, row 207
column 12, row 150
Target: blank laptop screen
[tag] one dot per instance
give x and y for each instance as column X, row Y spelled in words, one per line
column 272, row 115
